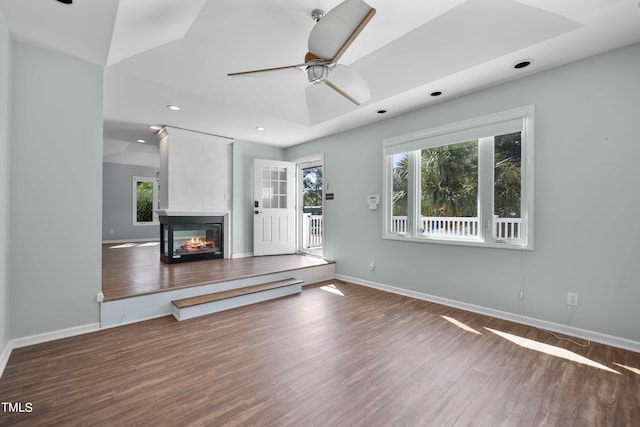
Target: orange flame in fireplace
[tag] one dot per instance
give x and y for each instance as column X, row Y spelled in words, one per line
column 197, row 242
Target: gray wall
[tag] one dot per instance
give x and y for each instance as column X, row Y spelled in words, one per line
column 5, row 93
column 242, row 212
column 586, row 201
column 56, row 181
column 117, row 203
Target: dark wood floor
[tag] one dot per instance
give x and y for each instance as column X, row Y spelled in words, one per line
column 135, row 269
column 363, row 358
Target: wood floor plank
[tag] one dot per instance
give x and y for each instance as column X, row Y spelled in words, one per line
column 367, row 358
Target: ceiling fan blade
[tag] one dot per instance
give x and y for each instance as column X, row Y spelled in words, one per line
column 349, row 84
column 269, row 72
column 335, row 32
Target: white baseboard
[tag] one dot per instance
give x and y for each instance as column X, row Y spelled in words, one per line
column 54, row 335
column 44, row 337
column 247, row 255
column 611, row 340
column 4, row 358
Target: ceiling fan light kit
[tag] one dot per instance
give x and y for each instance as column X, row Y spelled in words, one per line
column 317, row 73
column 332, row 35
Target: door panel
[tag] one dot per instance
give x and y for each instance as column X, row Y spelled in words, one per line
column 274, row 208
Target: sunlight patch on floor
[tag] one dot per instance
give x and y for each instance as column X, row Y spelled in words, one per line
column 149, row 244
column 629, row 368
column 332, row 289
column 551, row 350
column 460, row 324
column 124, row 245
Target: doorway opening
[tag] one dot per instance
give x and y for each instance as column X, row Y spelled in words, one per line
column 311, row 199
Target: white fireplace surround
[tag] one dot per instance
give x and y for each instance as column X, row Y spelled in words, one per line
column 226, row 241
column 195, row 171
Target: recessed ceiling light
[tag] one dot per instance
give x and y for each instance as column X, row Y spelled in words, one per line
column 436, row 93
column 142, row 141
column 522, row 64
column 382, row 111
column 260, row 128
column 173, row 107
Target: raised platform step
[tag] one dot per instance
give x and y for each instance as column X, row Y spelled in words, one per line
column 187, row 308
column 250, row 272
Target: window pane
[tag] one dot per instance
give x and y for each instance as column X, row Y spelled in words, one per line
column 449, row 190
column 267, row 193
column 282, row 191
column 507, row 197
column 312, row 187
column 400, row 185
column 274, row 187
column 144, row 201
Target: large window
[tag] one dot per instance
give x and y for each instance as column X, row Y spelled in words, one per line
column 145, row 201
column 469, row 183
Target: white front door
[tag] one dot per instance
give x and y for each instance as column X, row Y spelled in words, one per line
column 274, row 207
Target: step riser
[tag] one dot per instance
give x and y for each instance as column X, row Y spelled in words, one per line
column 235, row 302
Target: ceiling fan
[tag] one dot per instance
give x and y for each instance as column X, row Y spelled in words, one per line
column 332, row 35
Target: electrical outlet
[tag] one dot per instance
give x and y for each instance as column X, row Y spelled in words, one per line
column 572, row 298
column 372, row 265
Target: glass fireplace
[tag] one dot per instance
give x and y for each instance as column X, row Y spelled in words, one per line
column 191, row 238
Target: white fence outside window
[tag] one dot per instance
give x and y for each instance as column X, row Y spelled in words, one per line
column 503, row 228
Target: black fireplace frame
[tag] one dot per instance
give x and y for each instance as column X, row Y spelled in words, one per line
column 169, row 222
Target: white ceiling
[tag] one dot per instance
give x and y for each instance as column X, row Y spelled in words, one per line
column 160, row 52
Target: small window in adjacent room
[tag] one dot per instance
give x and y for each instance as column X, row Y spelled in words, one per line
column 468, row 183
column 145, row 201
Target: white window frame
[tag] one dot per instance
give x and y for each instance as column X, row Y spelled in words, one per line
column 518, row 119
column 134, row 199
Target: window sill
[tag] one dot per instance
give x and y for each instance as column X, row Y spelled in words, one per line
column 517, row 245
